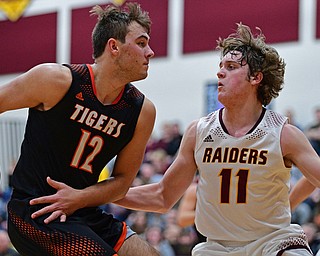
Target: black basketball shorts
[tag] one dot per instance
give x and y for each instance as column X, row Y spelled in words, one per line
column 88, row 232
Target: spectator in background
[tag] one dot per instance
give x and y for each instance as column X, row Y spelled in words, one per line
column 138, row 221
column 148, row 174
column 187, row 210
column 312, row 234
column 316, row 217
column 291, row 118
column 159, row 159
column 313, row 131
column 3, row 208
column 160, row 143
column 175, row 139
column 181, row 239
column 6, row 248
column 169, row 140
column 304, row 212
column 154, row 236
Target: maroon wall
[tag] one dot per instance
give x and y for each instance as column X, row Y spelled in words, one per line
column 33, row 40
column 206, row 20
column 27, row 42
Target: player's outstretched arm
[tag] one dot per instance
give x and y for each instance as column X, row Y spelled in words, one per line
column 161, row 196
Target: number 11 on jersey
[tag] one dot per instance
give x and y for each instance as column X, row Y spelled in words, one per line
column 226, row 176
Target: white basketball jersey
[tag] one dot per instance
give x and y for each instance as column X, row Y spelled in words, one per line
column 243, row 187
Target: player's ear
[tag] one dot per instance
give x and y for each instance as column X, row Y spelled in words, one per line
column 112, row 45
column 256, row 78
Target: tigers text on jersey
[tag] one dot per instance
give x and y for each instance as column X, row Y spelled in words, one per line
column 244, row 184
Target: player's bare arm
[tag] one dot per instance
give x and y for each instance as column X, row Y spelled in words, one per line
column 301, row 190
column 297, row 149
column 67, row 200
column 160, row 197
column 42, row 87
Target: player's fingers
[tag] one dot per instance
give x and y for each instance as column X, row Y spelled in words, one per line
column 55, row 184
column 55, row 215
column 37, row 214
column 63, row 218
column 42, row 200
column 42, row 211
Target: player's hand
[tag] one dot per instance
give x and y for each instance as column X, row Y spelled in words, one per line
column 61, row 204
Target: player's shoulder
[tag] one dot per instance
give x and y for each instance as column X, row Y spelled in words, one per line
column 291, row 131
column 148, row 108
column 54, row 80
column 149, row 103
column 148, row 115
column 50, row 67
column 291, row 137
column 53, row 70
column 191, row 130
column 276, row 116
column 50, row 73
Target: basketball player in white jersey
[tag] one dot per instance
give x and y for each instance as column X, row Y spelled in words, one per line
column 244, row 154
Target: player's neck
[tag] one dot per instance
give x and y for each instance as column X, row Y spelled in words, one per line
column 240, row 121
column 108, row 85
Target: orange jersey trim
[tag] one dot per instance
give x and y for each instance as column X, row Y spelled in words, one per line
column 94, row 85
column 92, row 79
column 119, row 97
column 121, row 238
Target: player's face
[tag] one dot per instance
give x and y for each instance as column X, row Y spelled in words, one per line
column 135, row 53
column 233, row 82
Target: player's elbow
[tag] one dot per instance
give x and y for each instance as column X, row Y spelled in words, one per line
column 122, row 192
column 165, row 209
column 168, row 206
column 167, row 201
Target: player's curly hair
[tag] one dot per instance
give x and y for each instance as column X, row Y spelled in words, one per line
column 113, row 22
column 260, row 58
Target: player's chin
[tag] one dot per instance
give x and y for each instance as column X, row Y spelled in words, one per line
column 146, row 68
column 141, row 77
column 143, row 74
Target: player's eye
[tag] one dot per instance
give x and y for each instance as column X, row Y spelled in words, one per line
column 231, row 66
column 142, row 43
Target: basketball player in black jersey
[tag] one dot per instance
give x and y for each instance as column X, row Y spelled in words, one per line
column 80, row 117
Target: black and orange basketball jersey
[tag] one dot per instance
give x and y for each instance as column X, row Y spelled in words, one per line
column 74, row 140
